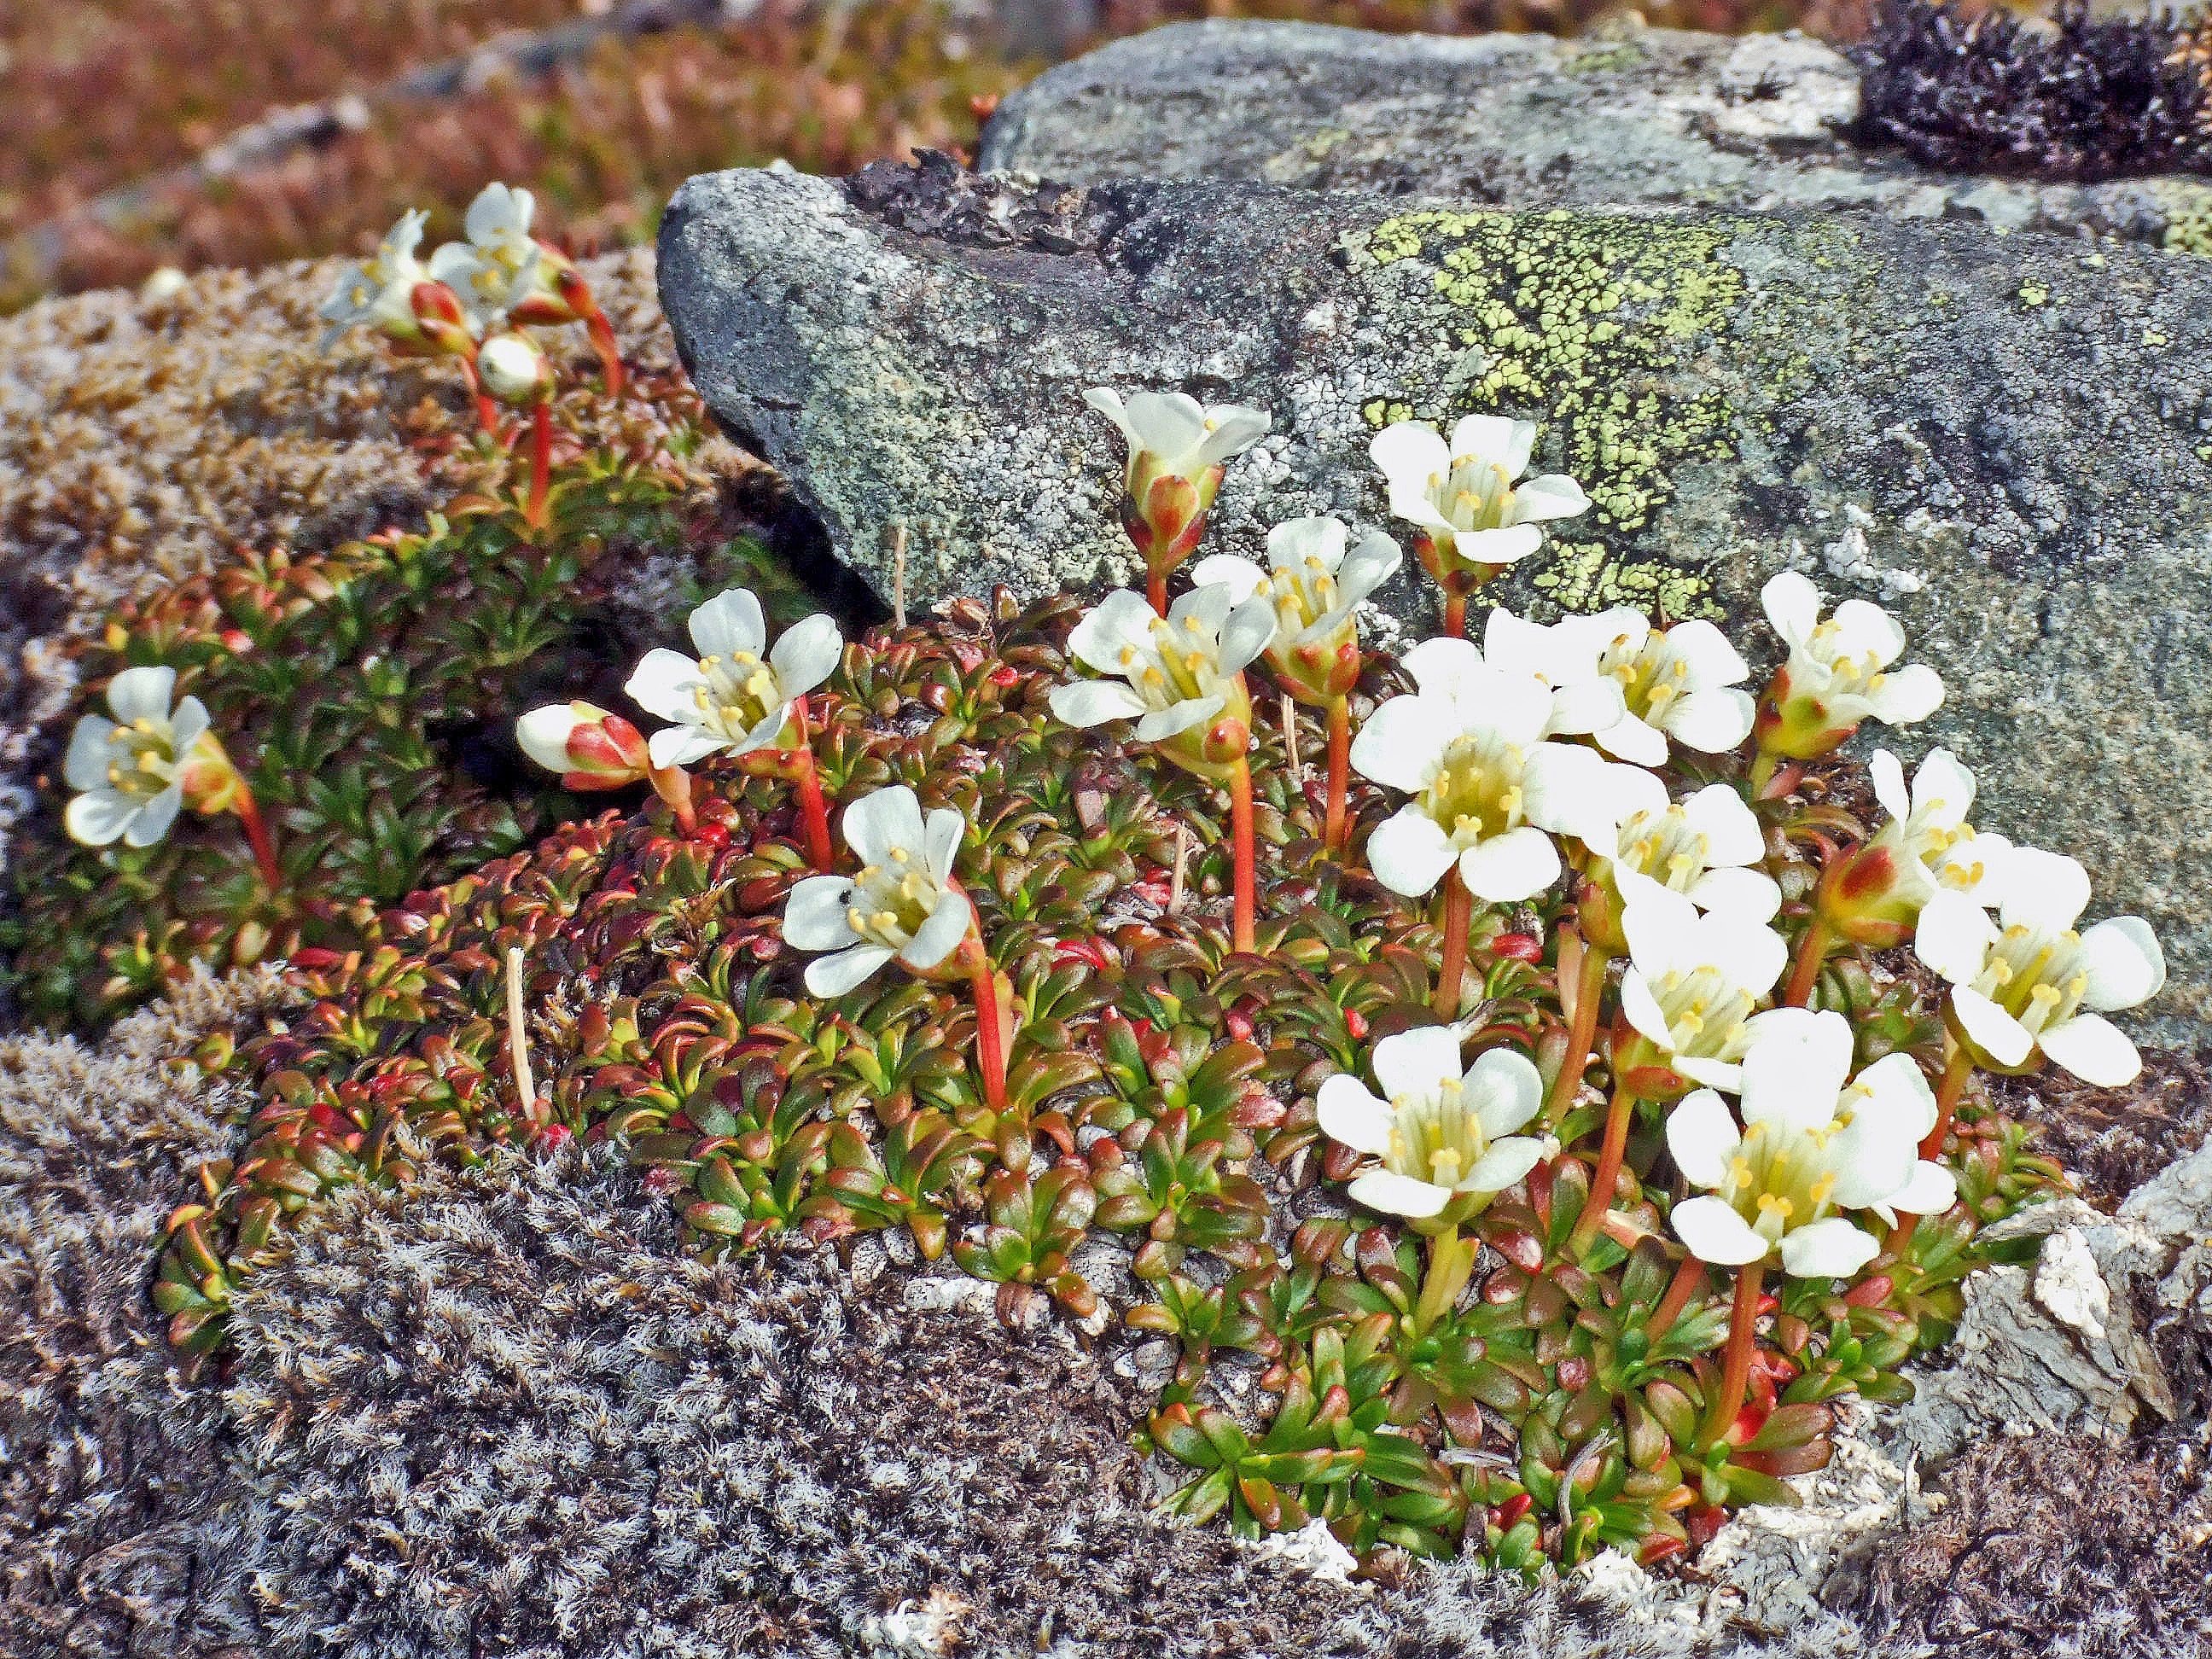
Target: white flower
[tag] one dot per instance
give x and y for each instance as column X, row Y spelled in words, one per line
column 1812, row 1144
column 1935, row 849
column 1692, row 983
column 904, row 902
column 1678, row 683
column 1175, row 675
column 1171, row 435
column 382, row 292
column 2029, row 980
column 1463, row 496
column 590, row 748
column 1316, row 588
column 1702, row 848
column 514, row 370
column 130, row 770
column 1839, row 671
column 501, row 266
column 730, row 700
column 1439, row 1132
column 1488, row 791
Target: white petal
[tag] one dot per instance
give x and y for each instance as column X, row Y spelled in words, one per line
column 815, row 916
column 1792, row 604
column 1730, row 828
column 1912, row 693
column 808, row 653
column 1751, row 956
column 1366, row 567
column 187, row 723
column 943, row 830
column 1862, row 629
column 1932, row 1190
column 1942, row 789
column 730, row 622
column 1716, row 1233
column 1513, row 645
column 663, row 682
column 2043, row 890
column 1395, row 1194
column 543, row 733
column 1569, row 789
column 1830, row 1247
column 142, row 694
column 2093, row 1049
column 1240, row 577
column 1632, row 790
column 1518, row 865
column 1294, row 541
column 1399, row 745
column 1245, row 633
column 1586, row 706
column 1898, row 1077
column 1711, row 722
column 879, row 822
column 2124, row 964
column 2003, row 1038
column 1121, row 620
column 1093, row 702
column 1107, row 402
column 1703, row 1138
column 1713, row 1074
column 99, row 816
column 89, row 753
column 1209, row 607
column 832, row 976
column 1236, row 429
column 1408, row 852
column 1506, row 1088
column 1496, row 438
column 1954, row 936
column 1446, row 666
column 152, row 821
column 1504, row 1164
column 1642, row 1009
column 940, row 935
column 1660, row 928
column 1631, row 739
column 1160, row 724
column 1170, row 424
column 680, row 745
column 1889, row 783
column 1417, row 1063
column 1705, row 651
column 1348, row 1113
column 1796, row 1068
column 1554, row 495
column 1508, row 545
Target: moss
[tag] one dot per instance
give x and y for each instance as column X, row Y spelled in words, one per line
column 1576, row 321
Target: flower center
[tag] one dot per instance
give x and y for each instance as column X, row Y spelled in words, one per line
column 142, row 758
column 1181, row 666
column 892, row 901
column 1847, row 675
column 1705, row 1012
column 1665, row 846
column 2035, row 977
column 1780, row 1179
column 1476, row 495
column 1435, row 1138
column 1650, row 677
column 1303, row 595
column 1477, row 791
column 740, row 692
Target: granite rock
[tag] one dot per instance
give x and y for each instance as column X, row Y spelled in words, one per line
column 1646, row 120
column 2009, row 437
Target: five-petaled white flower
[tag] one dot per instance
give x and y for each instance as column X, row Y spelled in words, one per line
column 1315, row 587
column 381, row 293
column 1838, row 672
column 1463, row 495
column 1489, row 792
column 131, row 771
column 1927, row 847
column 1175, row 675
column 1702, row 848
column 501, row 268
column 1678, row 682
column 1814, row 1141
column 904, row 903
column 1689, row 991
column 730, row 700
column 1177, row 449
column 1442, row 1134
column 2030, row 982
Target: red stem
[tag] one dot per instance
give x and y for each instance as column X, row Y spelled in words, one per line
column 990, row 1033
column 1156, row 590
column 257, row 832
column 1339, row 776
column 541, row 463
column 1581, row 1031
column 1812, row 952
column 1735, row 1364
column 602, row 341
column 1957, row 1066
column 487, row 410
column 1452, row 970
column 673, row 784
column 1607, row 1172
column 1689, row 1279
column 812, row 808
column 1240, row 834
column 1455, row 616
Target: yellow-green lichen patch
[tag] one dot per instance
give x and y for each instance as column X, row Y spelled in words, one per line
column 1577, row 320
column 1586, row 576
column 2190, row 230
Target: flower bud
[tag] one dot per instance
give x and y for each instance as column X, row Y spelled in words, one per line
column 590, row 748
column 441, row 324
column 211, row 784
column 1795, row 725
column 514, row 370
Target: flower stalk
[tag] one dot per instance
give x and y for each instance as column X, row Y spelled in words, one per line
column 1684, row 1288
column 258, row 836
column 1812, row 953
column 813, row 811
column 1735, row 1359
column 1606, row 1171
column 1583, row 965
column 1339, row 777
column 1244, row 902
column 986, row 983
column 1451, row 967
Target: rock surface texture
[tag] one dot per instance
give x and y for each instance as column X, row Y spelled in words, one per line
column 1648, row 120
column 2009, row 437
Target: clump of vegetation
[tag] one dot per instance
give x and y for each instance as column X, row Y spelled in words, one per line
column 2087, row 97
column 1496, row 1076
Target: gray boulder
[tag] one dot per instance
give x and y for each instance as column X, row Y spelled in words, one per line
column 1646, row 120
column 2009, row 437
